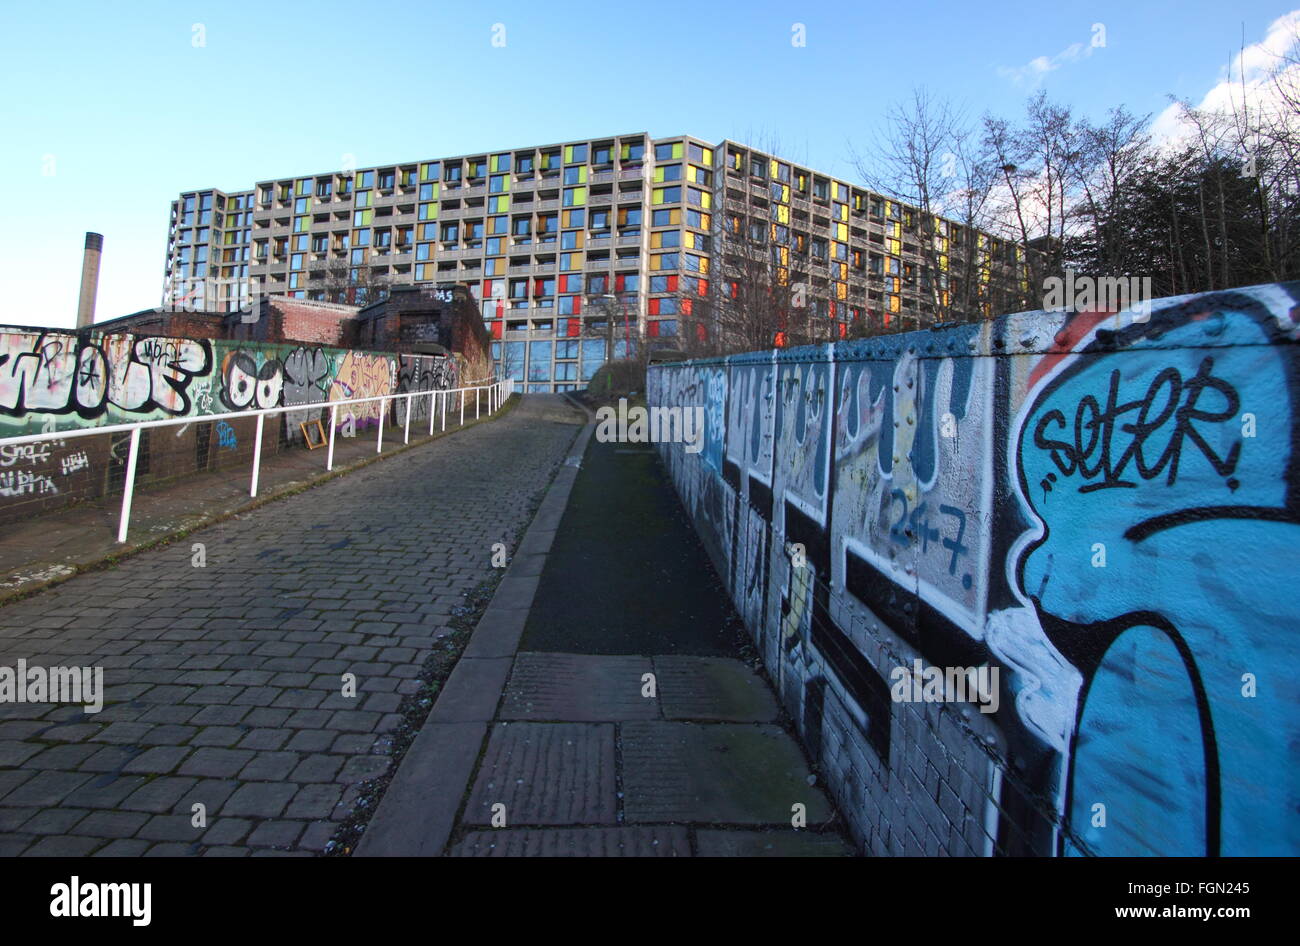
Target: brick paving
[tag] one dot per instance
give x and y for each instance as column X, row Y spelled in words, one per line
column 223, row 684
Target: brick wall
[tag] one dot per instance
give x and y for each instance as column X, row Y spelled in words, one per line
column 1095, row 511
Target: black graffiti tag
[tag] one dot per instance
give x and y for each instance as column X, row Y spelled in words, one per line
column 1169, row 405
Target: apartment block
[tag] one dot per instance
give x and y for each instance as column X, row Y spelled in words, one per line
column 581, row 251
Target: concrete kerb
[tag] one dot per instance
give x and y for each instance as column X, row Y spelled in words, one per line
column 66, row 571
column 419, row 810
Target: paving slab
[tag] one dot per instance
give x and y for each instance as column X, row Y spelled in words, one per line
column 778, row 843
column 547, row 774
column 639, row 841
column 713, row 688
column 578, row 687
column 715, row 773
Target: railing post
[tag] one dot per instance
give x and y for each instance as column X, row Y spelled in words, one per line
column 379, row 440
column 129, row 485
column 444, row 409
column 257, row 455
column 462, row 407
column 406, row 435
column 477, row 392
column 334, row 422
column 433, row 410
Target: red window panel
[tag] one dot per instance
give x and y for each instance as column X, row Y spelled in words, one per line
column 844, row 329
column 496, row 328
column 575, row 328
column 686, row 307
column 672, row 283
column 652, row 329
column 780, row 339
column 652, row 307
column 701, row 332
column 577, row 305
column 702, row 287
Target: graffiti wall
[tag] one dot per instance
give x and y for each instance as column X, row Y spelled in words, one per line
column 52, row 381
column 1102, row 507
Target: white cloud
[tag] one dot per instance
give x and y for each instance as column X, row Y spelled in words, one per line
column 1034, row 70
column 1249, row 78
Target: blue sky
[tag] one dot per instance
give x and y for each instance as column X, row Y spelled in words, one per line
column 118, row 102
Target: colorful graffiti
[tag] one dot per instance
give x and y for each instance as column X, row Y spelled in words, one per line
column 52, row 381
column 1102, row 505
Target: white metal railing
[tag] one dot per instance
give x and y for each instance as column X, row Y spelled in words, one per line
column 496, row 394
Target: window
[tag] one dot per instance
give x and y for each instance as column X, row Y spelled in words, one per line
column 629, row 217
column 666, row 152
column 387, row 179
column 319, row 243
column 524, row 164
column 498, row 184
column 450, row 232
column 667, row 195
column 600, row 220
column 451, row 174
column 575, row 154
column 818, row 248
column 324, row 188
column 668, row 172
column 631, row 151
column 821, row 188
column 666, row 239
column 602, row 154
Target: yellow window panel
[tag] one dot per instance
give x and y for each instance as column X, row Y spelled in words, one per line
column 842, row 232
column 782, row 276
column 706, row 200
column 708, row 156
column 783, row 213
column 893, row 303
column 785, row 256
column 581, row 239
column 773, row 168
column 706, row 221
column 841, row 291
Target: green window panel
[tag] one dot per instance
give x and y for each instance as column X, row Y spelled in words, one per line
column 362, row 218
column 498, row 205
column 575, row 197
